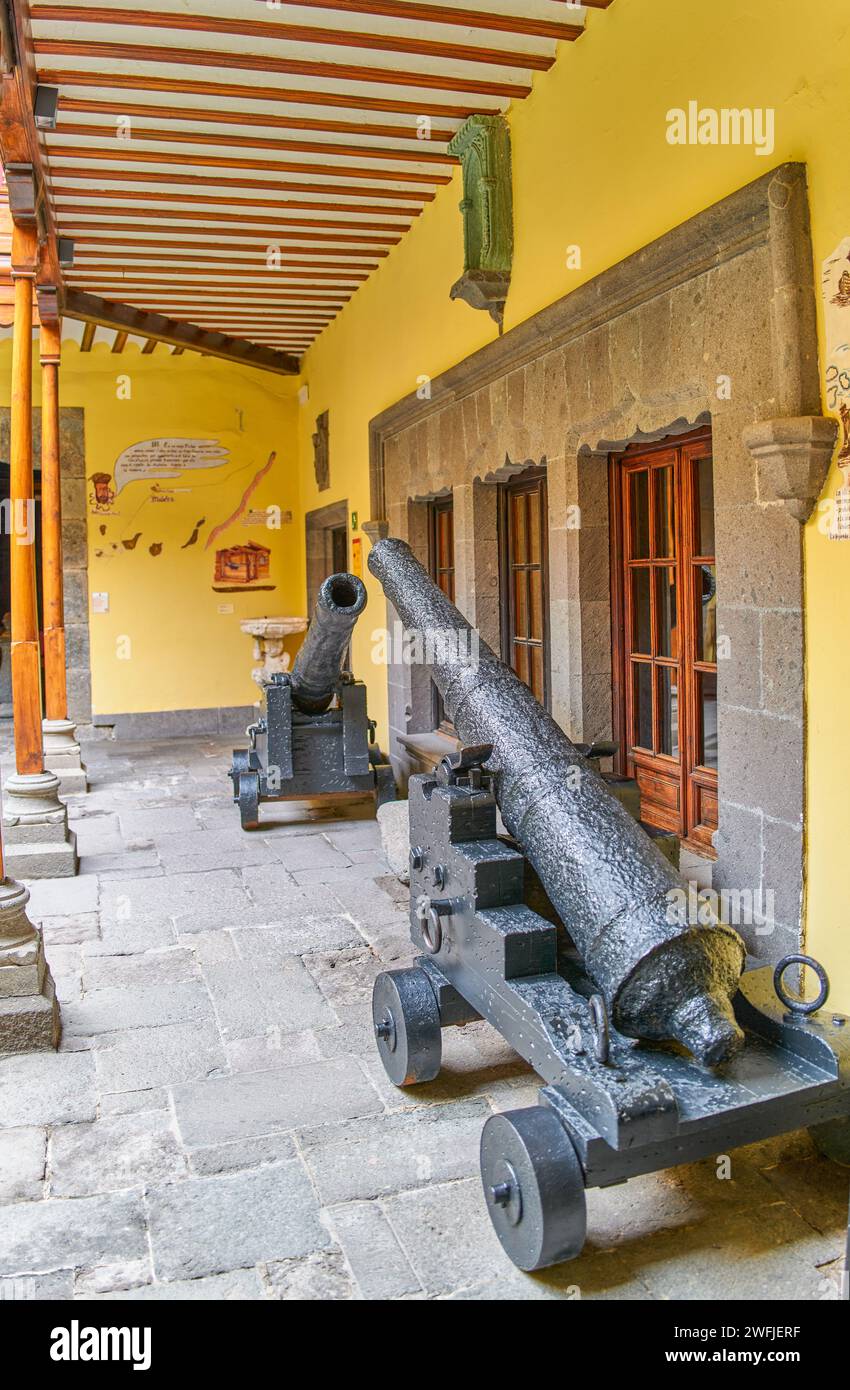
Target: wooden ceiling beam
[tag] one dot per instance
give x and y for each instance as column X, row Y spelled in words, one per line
column 143, row 82
column 200, row 180
column 252, row 228
column 251, row 219
column 88, row 337
column 359, row 244
column 213, row 294
column 278, row 32
column 240, row 323
column 266, row 63
column 241, row 224
column 88, row 262
column 120, row 341
column 423, row 155
column 348, row 268
column 451, row 14
column 273, row 166
column 305, row 317
column 93, row 310
column 220, row 116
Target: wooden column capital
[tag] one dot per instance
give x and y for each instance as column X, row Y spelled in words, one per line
column 50, row 344
column 25, row 253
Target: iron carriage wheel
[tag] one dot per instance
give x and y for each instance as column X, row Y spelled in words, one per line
column 249, row 799
column 534, row 1187
column 407, row 1026
column 241, row 763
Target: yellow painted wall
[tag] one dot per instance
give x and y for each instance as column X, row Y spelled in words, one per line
column 592, row 167
column 164, row 644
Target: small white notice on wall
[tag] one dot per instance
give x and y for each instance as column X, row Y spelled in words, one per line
column 225, row 608
column 100, row 603
column 840, row 528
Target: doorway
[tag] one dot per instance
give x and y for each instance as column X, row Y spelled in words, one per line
column 326, row 535
column 339, row 549
column 664, row 615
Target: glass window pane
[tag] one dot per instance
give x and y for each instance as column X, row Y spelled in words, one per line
column 639, row 492
column 665, row 527
column 444, row 547
column 708, row 718
column 641, row 623
column 704, row 489
column 535, row 578
column 668, row 710
column 520, row 533
column 642, row 705
column 538, row 683
column 520, row 603
column 666, row 617
column 534, row 526
column 521, row 661
column 706, row 582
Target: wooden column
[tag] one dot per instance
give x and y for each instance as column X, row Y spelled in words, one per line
column 55, row 688
column 26, row 658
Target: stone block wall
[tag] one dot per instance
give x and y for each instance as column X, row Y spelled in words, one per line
column 695, row 329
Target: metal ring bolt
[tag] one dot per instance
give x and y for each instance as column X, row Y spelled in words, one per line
column 801, row 1006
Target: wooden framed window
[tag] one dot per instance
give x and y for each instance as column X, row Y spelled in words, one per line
column 523, row 566
column 665, row 633
column 441, row 565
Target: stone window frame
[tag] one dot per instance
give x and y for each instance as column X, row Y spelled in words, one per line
column 740, row 276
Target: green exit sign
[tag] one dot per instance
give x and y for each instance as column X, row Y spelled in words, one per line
column 354, row 521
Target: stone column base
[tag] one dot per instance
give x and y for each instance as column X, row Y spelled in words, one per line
column 62, row 756
column 29, row 1013
column 38, row 843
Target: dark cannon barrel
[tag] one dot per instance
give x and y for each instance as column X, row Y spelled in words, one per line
column 317, row 667
column 663, row 978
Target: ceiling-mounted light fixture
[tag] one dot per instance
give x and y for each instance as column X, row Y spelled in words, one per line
column 46, row 107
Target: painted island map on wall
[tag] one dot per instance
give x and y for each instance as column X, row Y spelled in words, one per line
column 134, row 523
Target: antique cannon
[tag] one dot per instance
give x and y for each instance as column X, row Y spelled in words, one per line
column 314, row 736
column 657, row 1039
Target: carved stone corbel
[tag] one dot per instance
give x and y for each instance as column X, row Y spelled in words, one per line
column 321, row 452
column 484, row 148
column 377, row 530
column 793, row 456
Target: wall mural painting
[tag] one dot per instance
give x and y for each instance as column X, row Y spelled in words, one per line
column 102, row 495
column 240, row 567
column 154, row 463
column 836, row 299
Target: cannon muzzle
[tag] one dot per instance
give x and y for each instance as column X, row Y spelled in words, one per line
column 317, row 667
column 663, row 977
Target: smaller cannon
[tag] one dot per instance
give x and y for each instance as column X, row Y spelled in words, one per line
column 314, row 736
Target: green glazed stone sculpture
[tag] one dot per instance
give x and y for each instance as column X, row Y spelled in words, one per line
column 483, row 146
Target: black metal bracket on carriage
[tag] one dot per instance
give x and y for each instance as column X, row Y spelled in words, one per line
column 610, row 1108
column 294, row 755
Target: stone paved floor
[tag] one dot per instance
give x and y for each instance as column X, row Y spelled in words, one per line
column 217, row 1125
